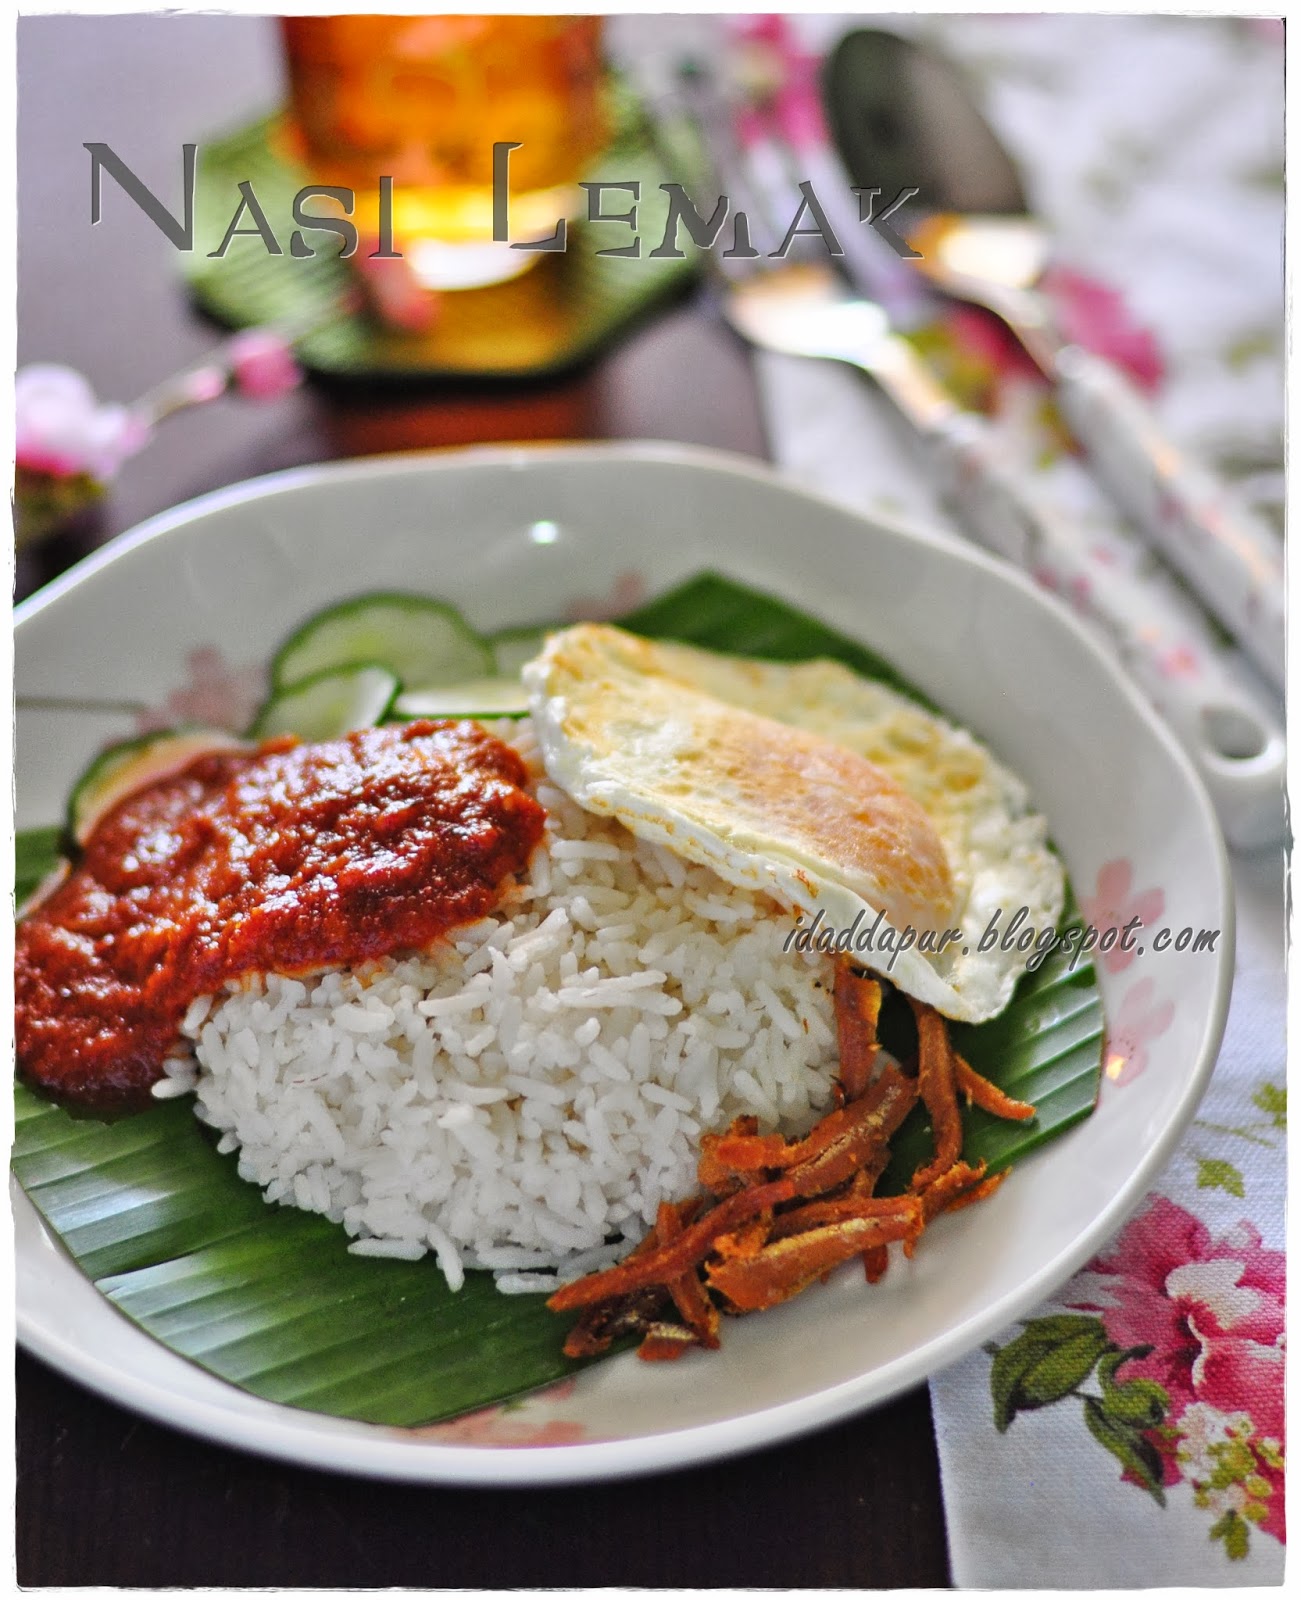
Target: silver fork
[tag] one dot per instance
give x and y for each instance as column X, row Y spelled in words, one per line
column 804, row 307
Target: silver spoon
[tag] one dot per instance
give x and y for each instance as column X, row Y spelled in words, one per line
column 903, row 117
column 806, row 308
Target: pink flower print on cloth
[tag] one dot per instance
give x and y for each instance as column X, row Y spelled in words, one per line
column 1140, row 1019
column 1113, row 904
column 1093, row 314
column 1209, row 1313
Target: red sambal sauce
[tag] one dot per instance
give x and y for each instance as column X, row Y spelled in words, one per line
column 286, row 859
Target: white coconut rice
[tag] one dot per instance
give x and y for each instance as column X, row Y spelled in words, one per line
column 522, row 1097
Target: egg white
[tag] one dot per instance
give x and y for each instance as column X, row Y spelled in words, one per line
column 598, row 699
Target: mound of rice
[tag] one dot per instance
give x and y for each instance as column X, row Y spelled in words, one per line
column 523, row 1098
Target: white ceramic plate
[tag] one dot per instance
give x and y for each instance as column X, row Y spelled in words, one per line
column 183, row 615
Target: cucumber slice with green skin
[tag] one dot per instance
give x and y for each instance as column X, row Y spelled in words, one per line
column 419, row 640
column 512, row 647
column 135, row 763
column 329, row 704
column 43, row 890
column 478, row 697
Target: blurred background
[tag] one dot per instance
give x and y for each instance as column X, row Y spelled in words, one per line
column 1150, row 148
column 117, row 302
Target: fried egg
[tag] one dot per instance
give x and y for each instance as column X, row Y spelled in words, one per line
column 894, row 837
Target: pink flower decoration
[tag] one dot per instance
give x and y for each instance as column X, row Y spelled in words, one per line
column 1094, row 315
column 204, row 384
column 1113, row 904
column 509, row 1425
column 216, row 695
column 629, row 590
column 982, row 335
column 262, row 364
column 497, row 1426
column 1213, row 1311
column 773, row 62
column 1137, row 1023
column 1180, row 661
column 62, row 430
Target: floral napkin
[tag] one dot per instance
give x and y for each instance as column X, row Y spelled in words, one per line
column 1130, row 1432
column 1057, row 1475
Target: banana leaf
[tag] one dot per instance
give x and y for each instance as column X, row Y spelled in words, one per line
column 36, row 853
column 268, row 1298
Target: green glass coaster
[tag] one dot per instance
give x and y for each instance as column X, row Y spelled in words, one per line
column 555, row 316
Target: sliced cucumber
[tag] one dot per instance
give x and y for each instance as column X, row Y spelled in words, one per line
column 476, row 697
column 512, row 647
column 419, row 640
column 46, row 887
column 123, row 768
column 329, row 704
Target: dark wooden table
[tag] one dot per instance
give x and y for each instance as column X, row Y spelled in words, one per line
column 104, row 1497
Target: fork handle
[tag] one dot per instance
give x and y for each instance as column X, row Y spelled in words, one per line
column 1231, row 557
column 1232, row 736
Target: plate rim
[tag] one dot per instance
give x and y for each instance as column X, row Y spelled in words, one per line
column 375, row 1452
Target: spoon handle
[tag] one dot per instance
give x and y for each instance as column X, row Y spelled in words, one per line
column 1233, row 738
column 1231, row 558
